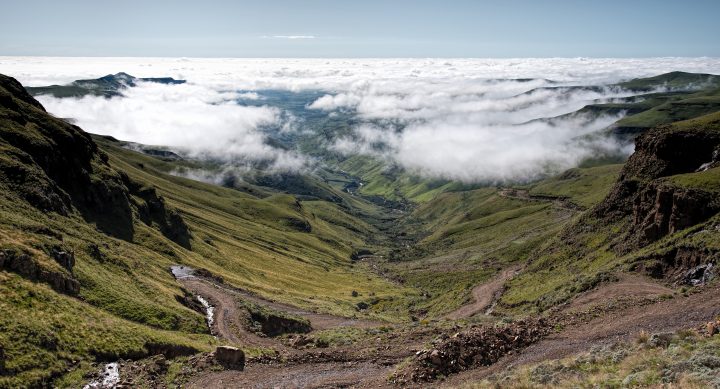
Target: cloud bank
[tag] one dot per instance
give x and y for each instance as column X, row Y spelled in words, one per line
column 196, row 120
column 464, row 119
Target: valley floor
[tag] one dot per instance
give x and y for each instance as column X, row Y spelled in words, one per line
column 615, row 312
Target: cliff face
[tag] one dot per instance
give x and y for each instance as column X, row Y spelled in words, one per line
column 56, row 167
column 660, row 209
column 646, row 195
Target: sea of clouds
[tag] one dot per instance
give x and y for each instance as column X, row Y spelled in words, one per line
column 465, row 119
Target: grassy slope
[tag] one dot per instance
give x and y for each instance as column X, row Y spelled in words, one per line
column 462, row 237
column 673, row 81
column 466, row 237
column 688, row 107
column 689, row 360
column 127, row 299
column 583, row 186
column 583, row 254
column 45, row 334
column 255, row 244
column 130, row 284
column 393, row 183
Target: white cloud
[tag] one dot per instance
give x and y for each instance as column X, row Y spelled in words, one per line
column 466, row 119
column 200, row 121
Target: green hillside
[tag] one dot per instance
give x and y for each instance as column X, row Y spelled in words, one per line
column 90, row 228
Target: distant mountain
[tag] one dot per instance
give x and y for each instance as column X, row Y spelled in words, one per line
column 673, row 81
column 107, row 86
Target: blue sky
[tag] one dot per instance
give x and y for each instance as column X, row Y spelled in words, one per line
column 369, row 28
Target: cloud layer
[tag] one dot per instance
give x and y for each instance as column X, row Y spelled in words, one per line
column 465, row 119
column 199, row 121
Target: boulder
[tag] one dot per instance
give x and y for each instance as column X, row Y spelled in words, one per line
column 230, row 357
column 661, row 339
column 712, row 328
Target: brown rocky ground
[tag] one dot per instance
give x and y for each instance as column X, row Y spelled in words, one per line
column 417, row 356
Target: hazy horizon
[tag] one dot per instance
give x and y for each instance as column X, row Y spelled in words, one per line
column 461, row 119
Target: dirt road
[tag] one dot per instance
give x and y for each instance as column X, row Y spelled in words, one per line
column 484, row 295
column 630, row 305
column 616, row 325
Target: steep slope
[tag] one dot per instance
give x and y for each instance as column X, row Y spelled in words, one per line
column 660, row 218
column 88, row 234
column 67, row 220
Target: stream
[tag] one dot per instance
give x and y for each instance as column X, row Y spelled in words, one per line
column 184, row 272
column 110, row 377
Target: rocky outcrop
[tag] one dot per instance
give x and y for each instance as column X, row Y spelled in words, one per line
column 655, row 207
column 57, row 167
column 27, row 267
column 660, row 209
column 153, row 211
column 189, row 300
column 680, row 265
column 66, row 259
column 359, row 254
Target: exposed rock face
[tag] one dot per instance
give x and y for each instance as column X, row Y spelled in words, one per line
column 64, row 258
column 230, row 357
column 359, row 254
column 274, row 325
column 189, row 300
column 153, row 211
column 663, row 152
column 659, row 210
column 656, row 207
column 205, row 273
column 27, row 267
column 57, row 167
column 682, row 265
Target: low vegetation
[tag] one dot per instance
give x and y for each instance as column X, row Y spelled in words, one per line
column 356, row 239
column 684, row 359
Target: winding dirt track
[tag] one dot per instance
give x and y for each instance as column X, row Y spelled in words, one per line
column 319, row 321
column 367, row 365
column 618, row 325
column 228, row 323
column 484, row 294
column 307, row 375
